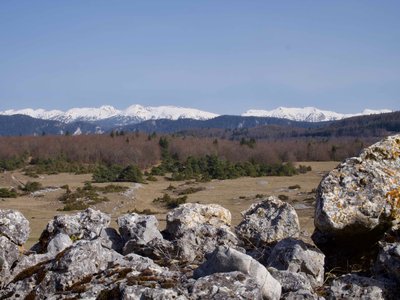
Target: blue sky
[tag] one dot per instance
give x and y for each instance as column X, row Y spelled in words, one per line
column 221, row 56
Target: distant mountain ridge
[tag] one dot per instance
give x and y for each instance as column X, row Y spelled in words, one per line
column 108, row 116
column 308, row 114
column 131, row 115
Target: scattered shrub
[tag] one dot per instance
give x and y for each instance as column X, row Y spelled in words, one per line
column 8, row 193
column 169, row 201
column 294, row 187
column 31, row 186
column 191, row 190
column 82, row 198
column 283, row 197
column 112, row 188
column 151, row 178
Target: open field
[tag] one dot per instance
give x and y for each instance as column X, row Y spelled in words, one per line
column 235, row 195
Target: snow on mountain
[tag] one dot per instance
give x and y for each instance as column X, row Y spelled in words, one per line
column 134, row 113
column 108, row 115
column 35, row 113
column 167, row 112
column 308, row 114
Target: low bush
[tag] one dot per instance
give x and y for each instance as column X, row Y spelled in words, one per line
column 31, row 186
column 8, row 193
column 294, row 187
column 82, row 198
column 190, row 190
column 170, row 202
column 283, row 197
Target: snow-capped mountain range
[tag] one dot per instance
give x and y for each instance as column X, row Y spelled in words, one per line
column 138, row 113
column 133, row 114
column 308, row 114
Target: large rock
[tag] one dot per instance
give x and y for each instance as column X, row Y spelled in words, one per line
column 232, row 285
column 195, row 242
column 9, row 254
column 225, row 259
column 388, row 261
column 141, row 229
column 190, row 215
column 298, row 257
column 142, row 292
column 352, row 286
column 291, row 281
column 268, row 221
column 196, row 229
column 14, row 226
column 85, row 225
column 360, row 197
column 58, row 243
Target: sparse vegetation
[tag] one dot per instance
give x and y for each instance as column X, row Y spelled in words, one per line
column 131, row 173
column 31, row 186
column 283, row 197
column 170, row 202
column 8, row 193
column 82, row 198
column 190, row 190
column 294, row 187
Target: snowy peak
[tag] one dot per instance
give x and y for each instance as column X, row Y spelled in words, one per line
column 308, row 114
column 133, row 114
column 107, row 114
column 167, row 112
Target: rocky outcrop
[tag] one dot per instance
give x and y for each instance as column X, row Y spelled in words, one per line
column 352, row 286
column 225, row 259
column 297, row 256
column 139, row 228
column 196, row 229
column 231, row 285
column 191, row 215
column 198, row 256
column 14, row 226
column 85, row 225
column 388, row 261
column 360, row 196
column 268, row 221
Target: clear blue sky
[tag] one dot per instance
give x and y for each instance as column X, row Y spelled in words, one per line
column 221, row 56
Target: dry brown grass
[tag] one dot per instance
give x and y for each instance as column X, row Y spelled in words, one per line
column 235, row 195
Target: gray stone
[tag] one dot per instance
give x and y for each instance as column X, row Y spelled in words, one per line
column 195, row 242
column 221, row 286
column 268, row 221
column 290, row 281
column 298, row 257
column 225, row 259
column 14, row 226
column 155, row 249
column 361, row 194
column 141, row 292
column 190, row 215
column 138, row 228
column 28, row 261
column 9, row 253
column 85, row 225
column 301, row 295
column 58, row 243
column 352, row 286
column 83, row 259
column 388, row 261
column 196, row 229
column 111, row 239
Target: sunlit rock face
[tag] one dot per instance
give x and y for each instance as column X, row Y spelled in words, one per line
column 362, row 193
